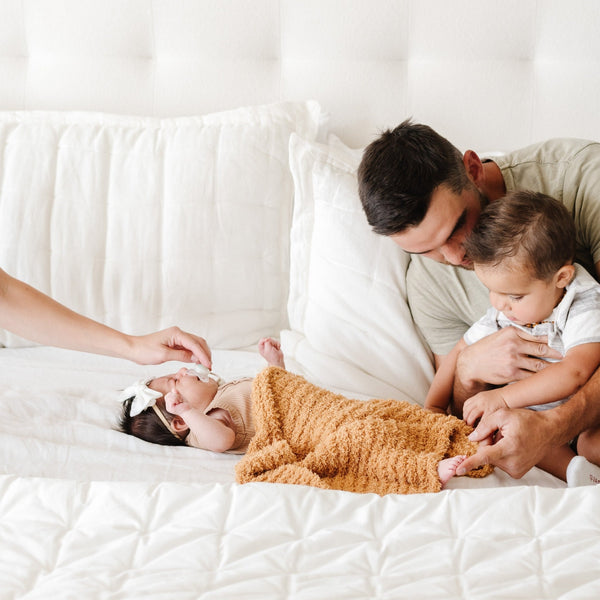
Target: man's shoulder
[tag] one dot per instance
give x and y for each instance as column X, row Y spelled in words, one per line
column 549, row 151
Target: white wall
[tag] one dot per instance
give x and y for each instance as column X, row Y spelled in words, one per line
column 493, row 74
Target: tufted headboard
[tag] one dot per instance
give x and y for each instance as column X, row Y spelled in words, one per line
column 490, row 75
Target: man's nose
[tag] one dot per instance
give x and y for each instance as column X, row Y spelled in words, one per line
column 453, row 253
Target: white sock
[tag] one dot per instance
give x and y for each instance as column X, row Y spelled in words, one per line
column 582, row 472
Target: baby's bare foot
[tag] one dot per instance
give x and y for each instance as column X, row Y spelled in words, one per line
column 447, row 468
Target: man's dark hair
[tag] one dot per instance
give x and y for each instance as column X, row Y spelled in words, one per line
column 528, row 226
column 399, row 171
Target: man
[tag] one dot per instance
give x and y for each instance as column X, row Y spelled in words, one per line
column 418, row 189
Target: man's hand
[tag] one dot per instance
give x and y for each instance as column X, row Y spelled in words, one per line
column 505, row 356
column 500, row 358
column 483, row 404
column 512, row 439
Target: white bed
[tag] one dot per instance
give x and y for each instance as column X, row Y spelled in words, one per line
column 193, row 163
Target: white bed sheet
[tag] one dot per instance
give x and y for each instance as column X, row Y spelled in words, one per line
column 86, row 511
column 59, row 410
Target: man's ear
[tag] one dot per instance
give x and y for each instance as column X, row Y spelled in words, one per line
column 178, row 424
column 474, row 166
column 564, row 276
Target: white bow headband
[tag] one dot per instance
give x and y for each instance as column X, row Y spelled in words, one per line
column 143, row 398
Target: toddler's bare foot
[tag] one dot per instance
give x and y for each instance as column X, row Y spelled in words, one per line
column 447, row 468
column 270, row 350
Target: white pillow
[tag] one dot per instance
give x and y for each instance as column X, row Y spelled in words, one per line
column 351, row 327
column 142, row 223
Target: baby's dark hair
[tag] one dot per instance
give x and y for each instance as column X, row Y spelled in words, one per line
column 527, row 226
column 147, row 426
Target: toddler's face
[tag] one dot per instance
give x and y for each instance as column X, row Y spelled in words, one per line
column 520, row 297
column 186, row 387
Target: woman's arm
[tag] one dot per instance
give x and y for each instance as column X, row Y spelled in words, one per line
column 31, row 314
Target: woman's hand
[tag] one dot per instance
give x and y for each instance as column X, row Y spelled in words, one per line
column 170, row 344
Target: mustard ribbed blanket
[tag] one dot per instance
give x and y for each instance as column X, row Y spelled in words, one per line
column 310, row 436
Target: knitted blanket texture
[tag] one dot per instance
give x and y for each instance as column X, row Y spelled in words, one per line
column 307, row 435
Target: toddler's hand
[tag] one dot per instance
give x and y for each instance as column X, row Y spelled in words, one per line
column 482, row 404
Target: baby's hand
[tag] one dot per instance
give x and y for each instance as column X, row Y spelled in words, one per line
column 481, row 404
column 175, row 404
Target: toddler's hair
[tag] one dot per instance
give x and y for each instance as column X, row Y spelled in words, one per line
column 147, row 426
column 535, row 230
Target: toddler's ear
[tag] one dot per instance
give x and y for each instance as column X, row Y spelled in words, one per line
column 564, row 275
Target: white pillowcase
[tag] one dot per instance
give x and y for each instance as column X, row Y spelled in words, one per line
column 351, row 327
column 142, row 223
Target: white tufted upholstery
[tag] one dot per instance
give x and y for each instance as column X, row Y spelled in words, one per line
column 490, row 75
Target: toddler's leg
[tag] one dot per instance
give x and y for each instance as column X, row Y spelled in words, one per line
column 447, row 468
column 557, row 460
column 270, row 350
column 588, row 445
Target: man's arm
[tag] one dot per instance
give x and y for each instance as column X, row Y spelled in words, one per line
column 525, row 436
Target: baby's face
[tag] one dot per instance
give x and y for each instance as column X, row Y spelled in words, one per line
column 187, row 388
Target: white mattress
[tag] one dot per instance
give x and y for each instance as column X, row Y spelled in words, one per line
column 86, row 511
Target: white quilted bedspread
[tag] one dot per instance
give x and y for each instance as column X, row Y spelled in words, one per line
column 67, row 539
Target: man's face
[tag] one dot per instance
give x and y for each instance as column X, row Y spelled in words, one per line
column 447, row 223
